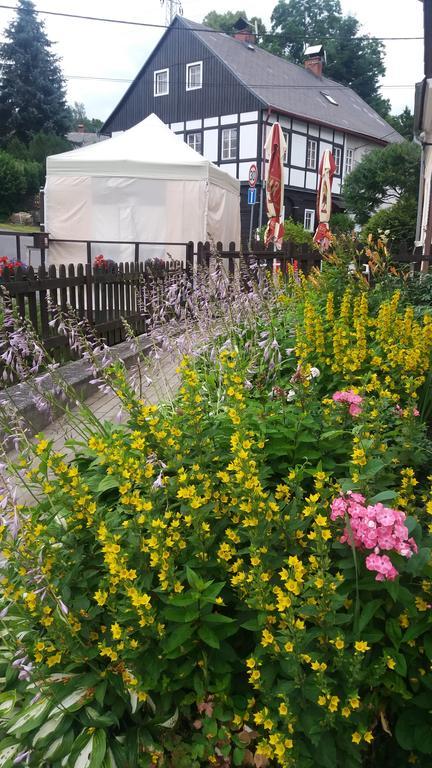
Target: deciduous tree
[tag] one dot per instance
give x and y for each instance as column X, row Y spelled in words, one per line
column 382, row 176
column 353, row 59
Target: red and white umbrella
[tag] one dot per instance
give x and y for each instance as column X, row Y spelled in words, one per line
column 275, row 148
column 324, row 201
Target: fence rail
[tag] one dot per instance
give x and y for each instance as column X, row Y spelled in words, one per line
column 105, row 296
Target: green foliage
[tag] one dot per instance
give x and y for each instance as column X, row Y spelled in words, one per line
column 225, row 22
column 353, row 60
column 32, row 92
column 18, row 181
column 294, row 232
column 341, row 224
column 398, row 222
column 79, row 117
column 180, row 595
column 382, row 175
column 403, row 123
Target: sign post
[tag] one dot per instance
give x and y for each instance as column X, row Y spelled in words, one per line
column 252, row 193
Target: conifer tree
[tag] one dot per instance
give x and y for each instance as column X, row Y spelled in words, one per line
column 32, row 89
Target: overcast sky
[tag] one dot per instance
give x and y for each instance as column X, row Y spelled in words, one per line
column 99, row 50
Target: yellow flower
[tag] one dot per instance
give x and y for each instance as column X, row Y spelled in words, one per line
column 339, row 643
column 322, row 701
column 368, row 736
column 356, row 737
column 390, row 662
column 334, row 703
column 116, row 631
column 321, row 520
column 289, row 647
column 361, row 646
column 283, row 709
column 56, row 659
column 354, row 702
column 346, row 711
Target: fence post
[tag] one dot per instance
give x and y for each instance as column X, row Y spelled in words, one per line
column 231, row 265
column 89, row 252
column 189, row 260
column 89, row 292
column 137, row 248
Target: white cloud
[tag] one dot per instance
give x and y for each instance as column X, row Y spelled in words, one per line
column 93, row 49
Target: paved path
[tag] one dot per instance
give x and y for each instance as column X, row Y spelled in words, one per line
column 165, row 382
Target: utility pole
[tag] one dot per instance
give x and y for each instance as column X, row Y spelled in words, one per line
column 427, row 23
column 172, row 8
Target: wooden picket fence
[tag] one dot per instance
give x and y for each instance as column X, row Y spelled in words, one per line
column 102, row 296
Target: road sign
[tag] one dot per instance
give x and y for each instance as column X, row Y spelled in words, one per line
column 253, row 175
column 251, row 196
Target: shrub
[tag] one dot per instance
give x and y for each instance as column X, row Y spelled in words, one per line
column 398, row 221
column 187, row 589
column 294, row 232
column 341, row 224
column 12, row 183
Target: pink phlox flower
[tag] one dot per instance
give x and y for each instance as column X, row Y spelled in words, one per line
column 351, row 398
column 374, row 527
column 383, row 566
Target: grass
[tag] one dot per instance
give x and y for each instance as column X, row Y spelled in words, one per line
column 18, row 227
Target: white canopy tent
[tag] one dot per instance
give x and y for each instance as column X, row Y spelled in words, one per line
column 144, row 185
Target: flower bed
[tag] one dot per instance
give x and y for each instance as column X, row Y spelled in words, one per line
column 241, row 578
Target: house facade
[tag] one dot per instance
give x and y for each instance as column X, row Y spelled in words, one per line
column 222, row 93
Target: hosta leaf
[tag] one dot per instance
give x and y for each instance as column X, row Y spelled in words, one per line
column 7, row 701
column 30, row 717
column 171, row 722
column 107, row 484
column 47, row 729
column 88, row 750
column 73, row 701
column 8, row 750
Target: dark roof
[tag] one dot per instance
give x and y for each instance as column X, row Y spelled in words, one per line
column 292, row 89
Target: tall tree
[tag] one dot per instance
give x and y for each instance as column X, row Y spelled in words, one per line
column 382, row 176
column 225, row 22
column 353, row 59
column 403, row 123
column 32, row 89
column 78, row 117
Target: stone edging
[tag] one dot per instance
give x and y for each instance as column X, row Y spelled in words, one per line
column 76, row 374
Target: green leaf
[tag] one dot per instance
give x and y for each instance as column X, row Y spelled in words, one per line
column 7, row 702
column 194, row 580
column 394, row 632
column 108, row 483
column 326, row 751
column 99, row 749
column 383, row 496
column 181, row 615
column 404, row 730
column 48, row 729
column 8, row 750
column 238, row 756
column 423, row 737
column 178, row 637
column 367, row 613
column 217, row 618
column 209, row 637
column 30, row 717
column 401, row 665
column 427, row 642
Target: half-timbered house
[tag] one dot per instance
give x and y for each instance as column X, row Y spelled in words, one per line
column 222, row 93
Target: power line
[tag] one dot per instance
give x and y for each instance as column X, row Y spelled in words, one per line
column 320, row 86
column 192, row 29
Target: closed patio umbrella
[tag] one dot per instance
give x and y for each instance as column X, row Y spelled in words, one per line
column 324, row 201
column 275, row 148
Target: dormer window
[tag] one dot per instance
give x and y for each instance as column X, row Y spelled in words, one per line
column 161, row 82
column 194, row 76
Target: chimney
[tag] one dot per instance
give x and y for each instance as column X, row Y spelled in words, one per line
column 315, row 59
column 81, row 128
column 244, row 31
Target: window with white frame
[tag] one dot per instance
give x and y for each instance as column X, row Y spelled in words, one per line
column 349, row 160
column 161, row 82
column 286, row 139
column 229, row 144
column 309, row 219
column 194, row 140
column 311, row 154
column 337, row 154
column 194, row 75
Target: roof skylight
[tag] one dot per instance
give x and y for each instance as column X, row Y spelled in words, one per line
column 329, row 98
